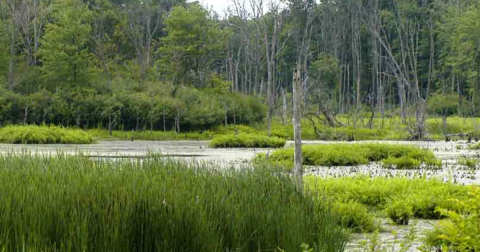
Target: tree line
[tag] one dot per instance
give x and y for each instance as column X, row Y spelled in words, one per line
column 375, row 58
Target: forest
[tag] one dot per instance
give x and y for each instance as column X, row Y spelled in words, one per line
column 176, row 65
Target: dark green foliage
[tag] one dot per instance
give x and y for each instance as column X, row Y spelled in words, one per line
column 393, row 156
column 33, row 134
column 443, row 104
column 75, row 204
column 247, row 141
column 87, row 108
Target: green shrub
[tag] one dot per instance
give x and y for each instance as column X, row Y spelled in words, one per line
column 400, row 212
column 33, row 134
column 73, row 203
column 246, row 141
column 394, row 156
column 461, row 231
column 355, row 217
column 425, row 205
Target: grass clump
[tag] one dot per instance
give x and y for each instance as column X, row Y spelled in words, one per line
column 471, row 163
column 400, row 212
column 247, row 141
column 75, row 204
column 34, row 134
column 356, row 217
column 474, row 146
column 392, row 156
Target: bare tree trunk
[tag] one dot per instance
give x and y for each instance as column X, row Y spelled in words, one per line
column 285, row 108
column 11, row 61
column 297, row 128
column 226, row 115
column 110, row 125
column 163, row 118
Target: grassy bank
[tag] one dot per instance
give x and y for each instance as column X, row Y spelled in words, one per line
column 388, row 129
column 33, row 134
column 74, row 204
column 391, row 156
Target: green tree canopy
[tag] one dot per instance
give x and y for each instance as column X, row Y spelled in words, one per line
column 194, row 42
column 65, row 56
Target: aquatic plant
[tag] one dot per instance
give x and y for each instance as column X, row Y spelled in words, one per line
column 424, row 196
column 247, row 141
column 392, row 156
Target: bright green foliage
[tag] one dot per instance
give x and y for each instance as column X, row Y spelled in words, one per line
column 65, row 58
column 33, row 134
column 424, row 196
column 71, row 203
column 355, row 217
column 247, row 141
column 461, row 231
column 393, row 156
column 193, row 43
column 400, row 212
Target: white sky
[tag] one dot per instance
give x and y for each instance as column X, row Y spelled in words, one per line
column 220, row 6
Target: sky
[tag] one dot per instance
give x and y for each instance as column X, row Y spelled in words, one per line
column 220, row 6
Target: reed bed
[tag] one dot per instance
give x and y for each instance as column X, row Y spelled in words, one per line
column 71, row 203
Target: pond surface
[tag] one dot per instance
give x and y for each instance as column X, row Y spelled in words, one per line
column 392, row 237
column 197, row 150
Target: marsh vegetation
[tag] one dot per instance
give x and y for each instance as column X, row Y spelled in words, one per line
column 241, row 86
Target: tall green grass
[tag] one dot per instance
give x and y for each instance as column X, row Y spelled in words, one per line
column 75, row 204
column 392, row 156
column 33, row 134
